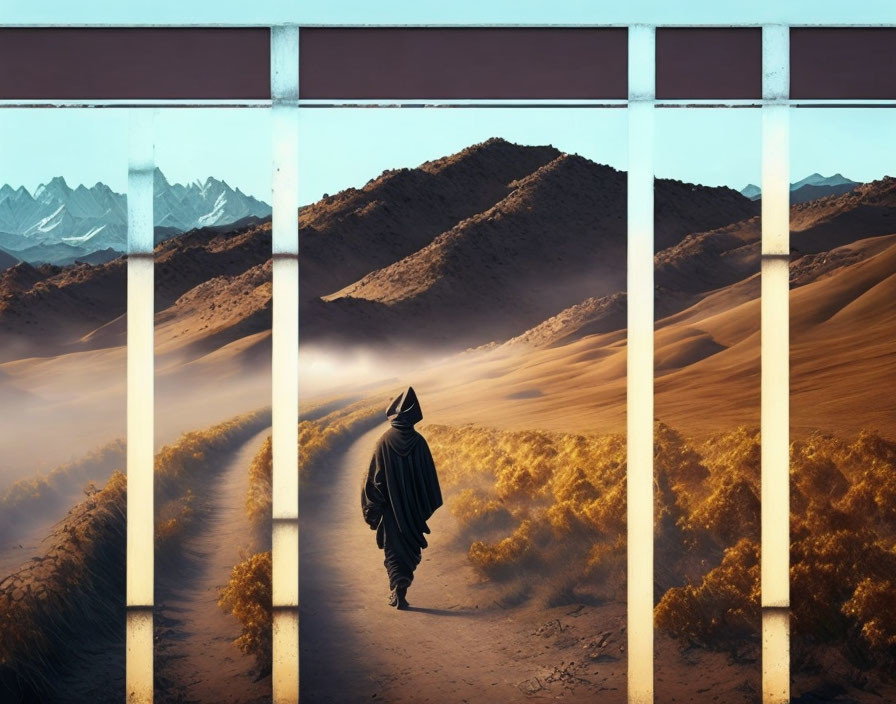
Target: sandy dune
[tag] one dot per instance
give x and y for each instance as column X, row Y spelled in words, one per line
column 707, row 362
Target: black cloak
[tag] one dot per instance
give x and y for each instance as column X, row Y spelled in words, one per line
column 402, row 490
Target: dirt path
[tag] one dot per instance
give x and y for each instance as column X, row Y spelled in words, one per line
column 456, row 644
column 196, row 658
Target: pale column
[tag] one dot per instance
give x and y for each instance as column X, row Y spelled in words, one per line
column 775, row 356
column 639, row 481
column 285, row 364
column 140, row 527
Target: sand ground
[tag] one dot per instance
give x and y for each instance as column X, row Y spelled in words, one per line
column 196, row 660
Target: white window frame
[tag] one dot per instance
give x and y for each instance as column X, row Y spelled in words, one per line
column 642, row 23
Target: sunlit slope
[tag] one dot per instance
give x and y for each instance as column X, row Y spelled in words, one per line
column 707, row 376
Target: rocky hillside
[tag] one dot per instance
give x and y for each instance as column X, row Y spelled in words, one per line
column 82, row 306
column 557, row 236
column 356, row 231
column 723, row 264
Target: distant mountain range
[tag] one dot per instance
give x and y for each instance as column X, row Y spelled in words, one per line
column 58, row 224
column 810, row 188
column 498, row 242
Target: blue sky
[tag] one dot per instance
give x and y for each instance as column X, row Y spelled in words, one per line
column 346, row 147
column 99, row 12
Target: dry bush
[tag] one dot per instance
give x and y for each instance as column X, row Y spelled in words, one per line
column 316, row 439
column 476, row 511
column 843, row 532
column 557, row 498
column 42, row 494
column 247, row 597
column 564, row 497
column 491, row 558
column 730, row 512
column 674, row 459
column 724, row 608
column 871, row 605
column 734, row 454
column 567, row 496
column 184, row 468
column 842, row 543
column 258, row 496
column 76, row 586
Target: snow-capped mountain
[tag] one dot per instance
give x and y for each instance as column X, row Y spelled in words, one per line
column 93, row 219
column 202, row 204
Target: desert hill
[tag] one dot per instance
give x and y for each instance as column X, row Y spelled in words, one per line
column 720, row 266
column 356, row 231
column 706, row 361
column 82, row 306
column 558, row 236
column 510, row 266
column 217, row 312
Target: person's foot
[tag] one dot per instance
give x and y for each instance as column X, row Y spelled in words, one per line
column 402, row 602
column 393, row 597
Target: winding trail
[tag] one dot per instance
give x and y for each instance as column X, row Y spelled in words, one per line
column 197, row 661
column 456, row 643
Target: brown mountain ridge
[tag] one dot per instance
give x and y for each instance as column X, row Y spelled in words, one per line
column 557, row 237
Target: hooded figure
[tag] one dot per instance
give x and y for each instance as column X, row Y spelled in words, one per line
column 401, row 493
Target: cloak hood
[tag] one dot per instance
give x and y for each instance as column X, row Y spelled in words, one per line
column 405, row 409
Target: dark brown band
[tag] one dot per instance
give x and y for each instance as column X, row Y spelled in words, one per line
column 707, row 64
column 463, row 63
column 434, row 63
column 135, row 63
column 843, row 63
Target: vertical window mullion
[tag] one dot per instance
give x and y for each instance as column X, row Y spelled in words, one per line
column 285, row 362
column 140, row 301
column 775, row 359
column 639, row 412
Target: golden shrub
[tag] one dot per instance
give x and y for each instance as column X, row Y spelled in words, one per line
column 872, row 606
column 258, row 496
column 723, row 607
column 675, row 459
column 248, row 597
column 47, row 492
column 567, row 495
column 472, row 508
column 77, row 584
column 184, row 468
column 316, row 438
column 730, row 512
column 486, row 557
